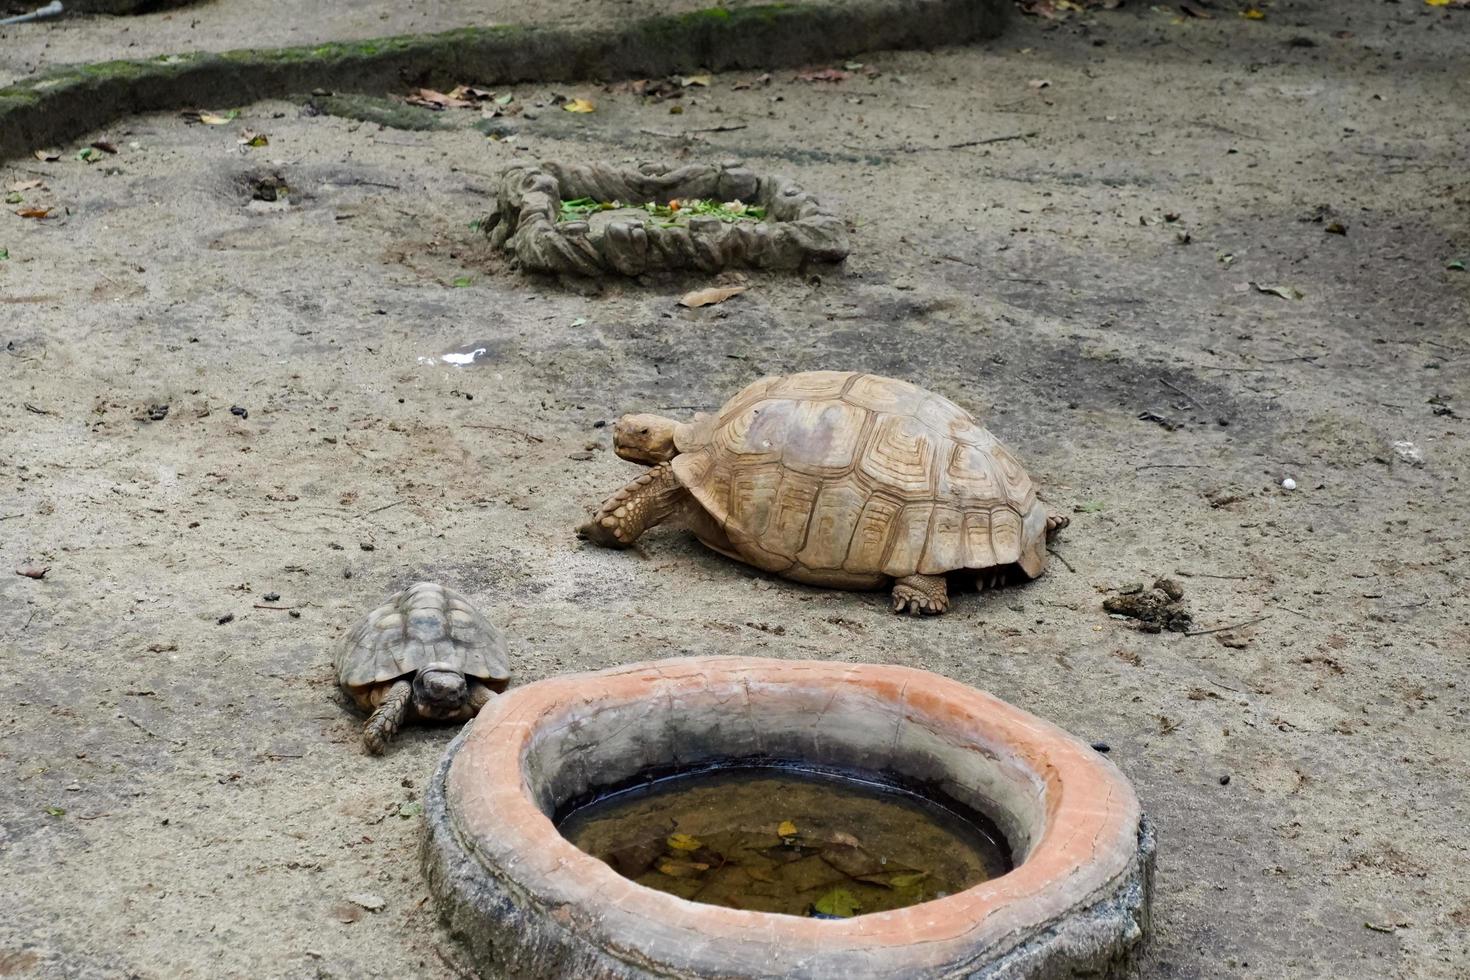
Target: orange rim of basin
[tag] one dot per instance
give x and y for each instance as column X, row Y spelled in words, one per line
column 1073, row 822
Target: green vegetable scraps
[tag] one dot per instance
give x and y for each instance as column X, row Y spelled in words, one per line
column 579, row 208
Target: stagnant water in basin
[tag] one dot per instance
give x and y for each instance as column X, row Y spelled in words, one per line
column 777, row 839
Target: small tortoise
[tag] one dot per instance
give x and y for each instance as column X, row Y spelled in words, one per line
column 426, row 653
column 836, row 479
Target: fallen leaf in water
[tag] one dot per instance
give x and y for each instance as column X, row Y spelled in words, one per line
column 1285, row 292
column 708, row 297
column 249, row 137
column 787, row 829
column 908, row 878
column 684, row 842
column 46, row 156
column 33, row 212
column 760, row 874
column 681, row 869
column 33, row 571
column 839, row 902
column 579, row 105
column 26, row 185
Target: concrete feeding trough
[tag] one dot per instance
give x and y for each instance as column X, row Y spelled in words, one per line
column 527, row 903
column 528, row 221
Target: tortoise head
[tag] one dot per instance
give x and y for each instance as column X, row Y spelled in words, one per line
column 645, row 439
column 439, row 690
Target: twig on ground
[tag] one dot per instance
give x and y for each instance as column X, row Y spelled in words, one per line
column 1232, row 626
column 1058, row 557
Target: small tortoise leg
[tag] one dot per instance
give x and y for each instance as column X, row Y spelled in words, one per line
column 480, row 696
column 387, row 719
column 647, row 501
column 1054, row 523
column 916, row 594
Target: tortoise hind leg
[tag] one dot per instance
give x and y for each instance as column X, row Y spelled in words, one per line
column 1055, row 522
column 388, row 717
column 647, row 501
column 915, row 594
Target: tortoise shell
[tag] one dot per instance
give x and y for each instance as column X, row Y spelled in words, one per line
column 425, row 623
column 840, row 478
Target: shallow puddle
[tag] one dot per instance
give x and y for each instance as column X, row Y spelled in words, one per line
column 789, row 841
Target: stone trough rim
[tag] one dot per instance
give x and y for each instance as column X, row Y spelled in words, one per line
column 497, row 821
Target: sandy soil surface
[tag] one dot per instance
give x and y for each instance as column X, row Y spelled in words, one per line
column 182, row 792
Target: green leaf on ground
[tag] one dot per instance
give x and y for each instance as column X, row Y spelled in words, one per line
column 460, row 282
column 410, row 809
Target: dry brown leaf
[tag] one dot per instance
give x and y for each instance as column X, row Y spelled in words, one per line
column 824, row 75
column 33, row 212
column 33, row 571
column 579, row 105
column 1040, row 83
column 437, row 100
column 46, row 156
column 708, row 297
column 26, row 185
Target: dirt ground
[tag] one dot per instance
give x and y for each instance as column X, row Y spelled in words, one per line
column 182, row 792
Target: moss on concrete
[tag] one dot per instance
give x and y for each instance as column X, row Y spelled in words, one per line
column 69, row 101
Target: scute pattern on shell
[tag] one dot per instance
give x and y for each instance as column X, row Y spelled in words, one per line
column 425, row 623
column 833, row 476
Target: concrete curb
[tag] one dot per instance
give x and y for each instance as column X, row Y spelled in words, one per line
column 70, row 101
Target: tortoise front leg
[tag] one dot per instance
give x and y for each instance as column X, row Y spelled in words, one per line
column 914, row 594
column 647, row 501
column 388, row 717
column 480, row 695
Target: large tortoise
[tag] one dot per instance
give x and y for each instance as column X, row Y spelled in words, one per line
column 425, row 654
column 837, row 479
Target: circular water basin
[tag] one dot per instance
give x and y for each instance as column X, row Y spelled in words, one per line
column 528, row 903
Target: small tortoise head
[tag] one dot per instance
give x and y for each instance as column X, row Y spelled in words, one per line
column 439, row 690
column 645, row 439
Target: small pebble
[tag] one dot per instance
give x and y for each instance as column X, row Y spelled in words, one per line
column 239, row 411
column 294, row 613
column 1288, row 484
column 226, row 618
column 74, row 788
column 1102, row 746
column 272, row 597
column 1225, row 779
